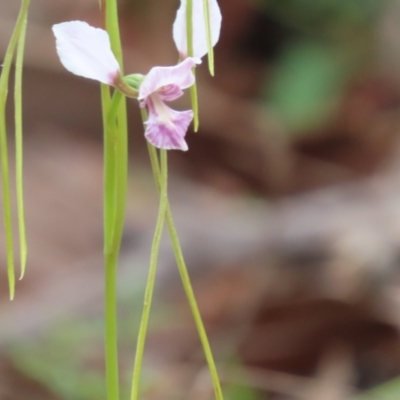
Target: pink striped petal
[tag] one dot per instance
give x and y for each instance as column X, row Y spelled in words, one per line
column 199, row 30
column 168, row 80
column 86, row 51
column 169, row 135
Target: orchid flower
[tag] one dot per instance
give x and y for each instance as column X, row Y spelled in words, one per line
column 165, row 127
column 86, row 51
column 200, row 47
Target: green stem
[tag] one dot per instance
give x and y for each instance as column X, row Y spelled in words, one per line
column 148, row 296
column 121, row 175
column 115, row 182
column 189, row 40
column 4, row 78
column 109, row 194
column 183, row 272
column 111, row 173
column 121, row 145
column 195, row 103
column 189, row 27
column 112, row 27
column 111, row 335
column 115, row 188
column 110, row 253
column 19, row 145
column 207, row 22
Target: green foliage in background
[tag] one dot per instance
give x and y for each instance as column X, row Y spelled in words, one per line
column 387, row 391
column 307, row 85
column 240, row 392
column 332, row 42
column 68, row 360
column 325, row 15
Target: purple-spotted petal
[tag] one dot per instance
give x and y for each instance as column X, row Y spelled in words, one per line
column 86, row 51
column 159, row 79
column 169, row 135
column 170, row 92
column 199, row 30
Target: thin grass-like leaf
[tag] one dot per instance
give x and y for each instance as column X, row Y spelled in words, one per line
column 210, row 48
column 4, row 80
column 189, row 40
column 115, row 188
column 195, row 103
column 110, row 256
column 19, row 148
column 110, row 173
column 183, row 272
column 148, row 296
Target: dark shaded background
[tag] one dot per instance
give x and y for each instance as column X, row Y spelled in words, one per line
column 288, row 206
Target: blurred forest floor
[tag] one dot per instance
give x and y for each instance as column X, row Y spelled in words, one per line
column 288, row 206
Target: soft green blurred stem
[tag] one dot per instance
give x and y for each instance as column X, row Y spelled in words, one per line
column 19, row 146
column 115, row 187
column 111, row 335
column 111, row 173
column 189, row 40
column 148, row 296
column 121, row 128
column 183, row 272
column 207, row 23
column 110, row 254
column 114, row 145
column 110, row 193
column 195, row 104
column 189, row 27
column 112, row 27
column 115, row 182
column 4, row 79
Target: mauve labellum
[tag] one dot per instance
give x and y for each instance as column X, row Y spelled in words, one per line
column 166, row 128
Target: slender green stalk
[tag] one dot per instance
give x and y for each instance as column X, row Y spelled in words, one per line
column 115, row 188
column 193, row 304
column 110, row 255
column 121, row 128
column 115, row 167
column 189, row 27
column 112, row 27
column 109, row 202
column 121, row 144
column 210, row 50
column 189, row 39
column 6, row 197
column 195, row 103
column 4, row 79
column 110, row 173
column 121, row 174
column 19, row 145
column 186, row 281
column 111, row 335
column 148, row 296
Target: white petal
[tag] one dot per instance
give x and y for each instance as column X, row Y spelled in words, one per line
column 199, row 30
column 86, row 51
